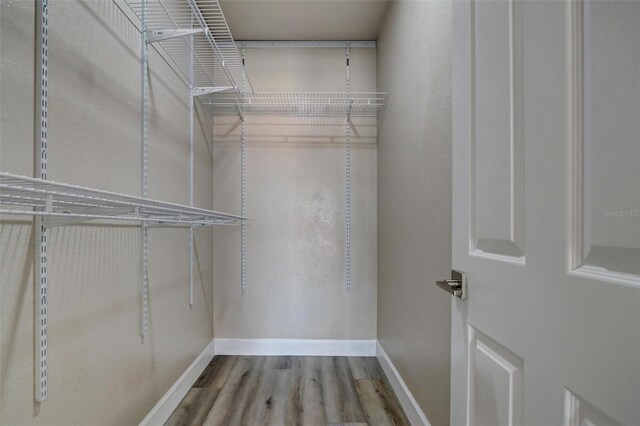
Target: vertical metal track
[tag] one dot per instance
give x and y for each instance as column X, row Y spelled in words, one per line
column 42, row 96
column 144, row 243
column 243, row 231
column 348, row 182
column 191, row 135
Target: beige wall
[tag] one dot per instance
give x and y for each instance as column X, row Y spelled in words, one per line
column 295, row 196
column 414, row 198
column 99, row 370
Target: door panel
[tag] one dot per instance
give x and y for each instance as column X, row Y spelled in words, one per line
column 554, row 337
column 496, row 382
column 498, row 161
column 610, row 237
column 578, row 412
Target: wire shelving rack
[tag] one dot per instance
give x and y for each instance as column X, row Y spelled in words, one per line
column 195, row 36
column 63, row 204
column 305, row 104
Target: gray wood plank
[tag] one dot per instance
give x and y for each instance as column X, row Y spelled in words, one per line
column 305, row 405
column 216, row 372
column 348, row 424
column 277, row 362
column 193, row 408
column 366, row 367
column 235, row 397
column 309, row 367
column 270, row 400
column 280, row 398
column 341, row 401
column 379, row 403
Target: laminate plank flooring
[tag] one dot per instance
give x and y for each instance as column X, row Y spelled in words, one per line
column 341, row 400
column 290, row 390
column 306, row 400
column 379, row 403
column 193, row 408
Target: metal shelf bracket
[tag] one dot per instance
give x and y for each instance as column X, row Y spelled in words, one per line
column 154, row 36
column 201, row 91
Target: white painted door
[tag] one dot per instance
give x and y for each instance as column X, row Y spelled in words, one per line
column 546, row 182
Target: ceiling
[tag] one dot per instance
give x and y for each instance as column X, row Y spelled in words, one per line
column 304, row 19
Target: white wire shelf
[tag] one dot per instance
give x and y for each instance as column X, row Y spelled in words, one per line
column 63, row 204
column 306, row 104
column 194, row 30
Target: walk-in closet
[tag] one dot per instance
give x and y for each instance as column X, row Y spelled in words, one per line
column 319, row 212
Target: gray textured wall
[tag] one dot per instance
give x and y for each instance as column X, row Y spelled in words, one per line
column 414, row 198
column 295, row 195
column 99, row 371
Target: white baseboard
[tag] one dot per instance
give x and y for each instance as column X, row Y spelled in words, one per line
column 170, row 400
column 301, row 347
column 409, row 404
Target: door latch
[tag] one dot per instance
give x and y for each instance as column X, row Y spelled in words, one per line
column 456, row 285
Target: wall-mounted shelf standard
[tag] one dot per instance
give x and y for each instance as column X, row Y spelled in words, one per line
column 196, row 38
column 307, row 104
column 62, row 204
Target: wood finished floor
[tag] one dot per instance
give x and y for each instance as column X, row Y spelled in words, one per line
column 290, row 390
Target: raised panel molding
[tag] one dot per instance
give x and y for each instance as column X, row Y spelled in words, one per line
column 497, row 145
column 605, row 242
column 495, row 382
column 578, row 412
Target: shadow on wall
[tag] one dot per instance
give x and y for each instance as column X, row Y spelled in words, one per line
column 109, row 18
column 94, row 304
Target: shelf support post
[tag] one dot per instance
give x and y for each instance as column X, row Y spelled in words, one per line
column 144, row 241
column 42, row 97
column 243, row 173
column 348, row 178
column 191, row 131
